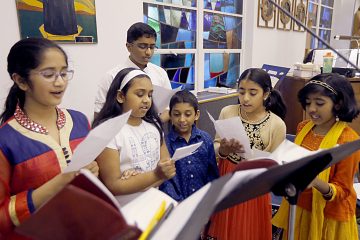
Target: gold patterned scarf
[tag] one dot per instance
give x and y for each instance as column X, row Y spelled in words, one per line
column 318, row 202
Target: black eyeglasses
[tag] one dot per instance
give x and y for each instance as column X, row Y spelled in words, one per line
column 144, row 46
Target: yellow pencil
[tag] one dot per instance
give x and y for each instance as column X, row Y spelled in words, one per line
column 159, row 213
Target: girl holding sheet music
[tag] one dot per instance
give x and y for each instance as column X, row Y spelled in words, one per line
column 36, row 137
column 137, row 158
column 196, row 170
column 261, row 110
column 326, row 210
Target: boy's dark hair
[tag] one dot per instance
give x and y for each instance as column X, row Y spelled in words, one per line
column 23, row 57
column 138, row 30
column 112, row 108
column 344, row 97
column 184, row 96
column 274, row 102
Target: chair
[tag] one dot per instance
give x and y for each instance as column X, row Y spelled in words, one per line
column 276, row 73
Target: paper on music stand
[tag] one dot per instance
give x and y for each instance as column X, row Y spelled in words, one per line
column 185, row 151
column 141, row 210
column 96, row 141
column 357, row 190
column 162, row 96
column 288, row 151
column 233, row 128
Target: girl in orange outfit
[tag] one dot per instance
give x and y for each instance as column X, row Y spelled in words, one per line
column 326, row 210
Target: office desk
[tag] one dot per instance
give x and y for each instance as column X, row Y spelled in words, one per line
column 213, row 103
column 289, row 88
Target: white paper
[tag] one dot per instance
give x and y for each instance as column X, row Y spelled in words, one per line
column 162, row 96
column 185, row 151
column 180, row 215
column 288, row 151
column 357, row 190
column 233, row 128
column 141, row 210
column 95, row 142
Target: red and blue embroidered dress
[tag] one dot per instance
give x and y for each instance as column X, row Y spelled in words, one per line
column 29, row 157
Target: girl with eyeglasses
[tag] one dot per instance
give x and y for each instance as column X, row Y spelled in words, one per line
column 37, row 138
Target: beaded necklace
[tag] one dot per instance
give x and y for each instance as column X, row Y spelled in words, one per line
column 21, row 117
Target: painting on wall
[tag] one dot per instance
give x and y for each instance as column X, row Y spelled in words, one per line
column 284, row 22
column 71, row 21
column 266, row 14
column 300, row 13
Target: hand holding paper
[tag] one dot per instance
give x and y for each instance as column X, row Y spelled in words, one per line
column 185, row 151
column 233, row 128
column 96, row 141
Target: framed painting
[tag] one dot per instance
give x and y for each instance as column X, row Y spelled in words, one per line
column 266, row 14
column 300, row 13
column 70, row 21
column 284, row 22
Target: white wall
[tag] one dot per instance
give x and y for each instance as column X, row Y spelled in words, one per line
column 270, row 45
column 91, row 61
column 342, row 22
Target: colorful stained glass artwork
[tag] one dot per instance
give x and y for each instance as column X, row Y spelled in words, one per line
column 176, row 28
column 325, row 35
column 225, row 6
column 325, row 17
column 179, row 67
column 153, row 13
column 187, row 3
column 224, row 67
column 329, row 3
column 222, row 31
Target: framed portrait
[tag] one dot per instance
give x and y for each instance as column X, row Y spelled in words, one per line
column 284, row 22
column 69, row 21
column 300, row 13
column 266, row 14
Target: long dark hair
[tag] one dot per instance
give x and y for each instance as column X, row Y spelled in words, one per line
column 23, row 57
column 274, row 102
column 343, row 94
column 112, row 108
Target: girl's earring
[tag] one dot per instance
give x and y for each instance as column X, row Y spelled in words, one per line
column 337, row 118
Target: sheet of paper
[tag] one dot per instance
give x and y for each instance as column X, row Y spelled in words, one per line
column 162, row 96
column 180, row 215
column 141, row 210
column 185, row 151
column 95, row 142
column 357, row 190
column 233, row 128
column 288, row 151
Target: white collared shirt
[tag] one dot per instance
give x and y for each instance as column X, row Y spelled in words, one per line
column 157, row 75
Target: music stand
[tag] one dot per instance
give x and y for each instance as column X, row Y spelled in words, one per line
column 277, row 179
column 288, row 180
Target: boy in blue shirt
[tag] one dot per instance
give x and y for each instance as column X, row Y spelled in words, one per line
column 196, row 170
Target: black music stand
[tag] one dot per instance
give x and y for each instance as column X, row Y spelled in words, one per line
column 285, row 180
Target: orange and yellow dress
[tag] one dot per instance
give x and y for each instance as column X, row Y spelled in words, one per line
column 317, row 218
